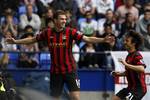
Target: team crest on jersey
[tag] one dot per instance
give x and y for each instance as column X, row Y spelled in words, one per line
column 79, row 32
column 64, row 37
column 51, row 37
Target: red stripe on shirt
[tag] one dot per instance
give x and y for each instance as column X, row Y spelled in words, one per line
column 55, row 54
column 49, row 34
column 67, row 51
column 63, row 69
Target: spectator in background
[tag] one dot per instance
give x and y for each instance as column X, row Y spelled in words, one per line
column 47, row 18
column 109, row 19
column 108, row 46
column 28, row 32
column 30, row 47
column 9, row 11
column 142, row 23
column 127, row 25
column 146, row 46
column 71, row 20
column 102, row 6
column 105, row 58
column 89, row 26
column 70, row 5
column 30, row 18
column 24, row 3
column 42, row 6
column 144, row 8
column 13, row 4
column 28, row 29
column 126, row 8
column 8, row 47
column 86, row 6
column 8, row 24
column 27, row 58
column 63, row 5
column 90, row 56
column 47, row 21
column 139, row 4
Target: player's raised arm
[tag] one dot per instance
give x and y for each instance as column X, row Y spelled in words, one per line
column 21, row 41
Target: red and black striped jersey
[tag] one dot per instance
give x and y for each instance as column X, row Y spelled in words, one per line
column 136, row 80
column 60, row 46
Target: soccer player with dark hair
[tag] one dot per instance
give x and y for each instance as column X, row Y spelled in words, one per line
column 59, row 40
column 134, row 69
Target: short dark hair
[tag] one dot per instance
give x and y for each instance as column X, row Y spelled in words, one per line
column 109, row 10
column 25, row 35
column 147, row 10
column 107, row 25
column 136, row 38
column 28, row 27
column 59, row 12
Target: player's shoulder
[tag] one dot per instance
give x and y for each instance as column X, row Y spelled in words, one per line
column 74, row 30
column 137, row 54
column 69, row 28
column 45, row 29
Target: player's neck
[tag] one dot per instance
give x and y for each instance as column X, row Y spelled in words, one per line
column 132, row 50
column 58, row 29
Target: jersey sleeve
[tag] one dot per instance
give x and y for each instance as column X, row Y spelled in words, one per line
column 42, row 36
column 139, row 60
column 77, row 35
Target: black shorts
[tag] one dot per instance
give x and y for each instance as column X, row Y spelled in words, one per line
column 57, row 82
column 125, row 93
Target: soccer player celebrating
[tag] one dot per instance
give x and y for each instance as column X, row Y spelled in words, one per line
column 134, row 69
column 59, row 39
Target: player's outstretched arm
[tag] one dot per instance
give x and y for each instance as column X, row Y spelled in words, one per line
column 106, row 39
column 21, row 41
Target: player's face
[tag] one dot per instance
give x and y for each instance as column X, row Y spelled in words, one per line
column 61, row 21
column 128, row 43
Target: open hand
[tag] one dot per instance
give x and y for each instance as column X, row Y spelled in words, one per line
column 122, row 61
column 10, row 40
column 109, row 39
